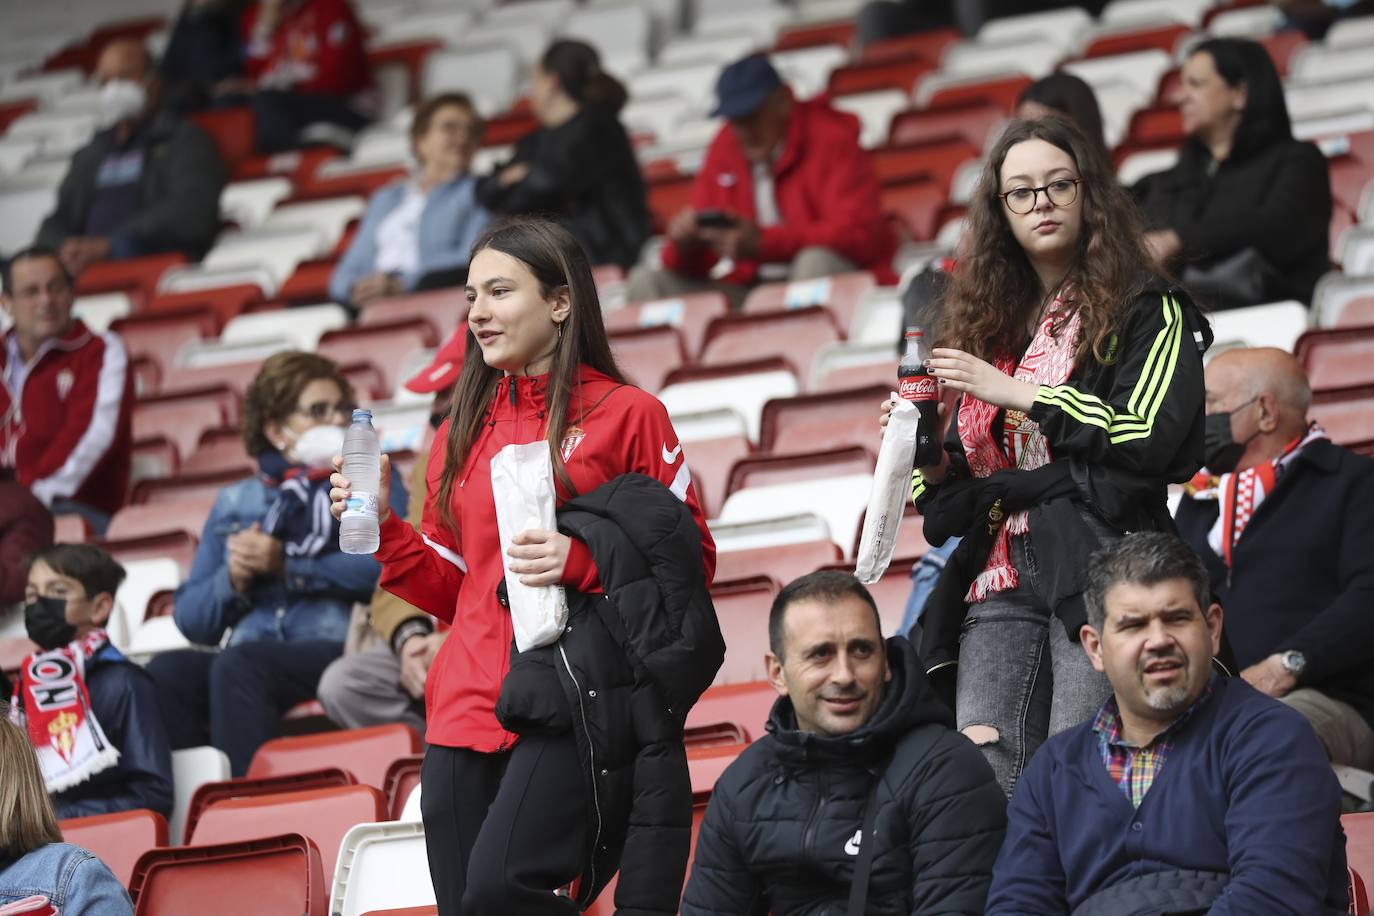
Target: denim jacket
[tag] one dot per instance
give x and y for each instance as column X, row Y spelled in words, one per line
column 312, row 600
column 74, row 881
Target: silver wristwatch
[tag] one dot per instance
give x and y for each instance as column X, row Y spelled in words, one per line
column 1293, row 662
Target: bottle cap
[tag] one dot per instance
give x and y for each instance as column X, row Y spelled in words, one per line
column 362, row 413
column 915, row 332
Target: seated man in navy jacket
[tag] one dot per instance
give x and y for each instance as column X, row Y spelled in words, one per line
column 1188, row 792
column 1284, row 530
column 111, row 755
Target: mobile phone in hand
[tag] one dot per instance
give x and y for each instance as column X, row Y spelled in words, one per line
column 716, row 219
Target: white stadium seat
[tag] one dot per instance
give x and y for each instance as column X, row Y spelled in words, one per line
column 381, row 866
column 745, row 393
column 303, row 325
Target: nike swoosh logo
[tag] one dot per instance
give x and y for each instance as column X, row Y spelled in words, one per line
column 852, row 847
column 671, row 457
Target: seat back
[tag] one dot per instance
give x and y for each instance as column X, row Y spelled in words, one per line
column 1337, row 357
column 210, row 793
column 782, row 563
column 742, row 609
column 367, row 753
column 401, row 777
column 273, row 874
column 117, row 839
column 384, row 345
column 647, row 355
column 743, row 387
column 793, row 336
column 816, row 422
column 690, row 314
column 192, row 768
column 382, row 866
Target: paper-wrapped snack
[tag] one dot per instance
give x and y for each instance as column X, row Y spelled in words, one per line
column 891, row 488
column 523, row 490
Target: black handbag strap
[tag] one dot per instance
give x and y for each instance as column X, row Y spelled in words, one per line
column 863, row 867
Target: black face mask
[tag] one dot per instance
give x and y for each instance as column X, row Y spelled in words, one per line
column 1221, row 452
column 46, row 621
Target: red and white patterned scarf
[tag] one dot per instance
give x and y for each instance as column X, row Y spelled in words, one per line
column 1016, row 442
column 1241, row 492
column 51, row 702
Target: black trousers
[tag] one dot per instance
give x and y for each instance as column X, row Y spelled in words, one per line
column 504, row 831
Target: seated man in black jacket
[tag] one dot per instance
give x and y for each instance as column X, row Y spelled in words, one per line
column 1285, row 533
column 110, row 754
column 861, row 778
column 147, row 183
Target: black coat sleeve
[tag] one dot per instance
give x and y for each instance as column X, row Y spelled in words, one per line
column 563, row 165
column 721, row 883
column 68, row 217
column 185, row 214
column 1156, row 396
column 124, row 701
column 957, row 819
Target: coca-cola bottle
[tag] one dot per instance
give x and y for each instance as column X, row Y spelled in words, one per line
column 917, row 385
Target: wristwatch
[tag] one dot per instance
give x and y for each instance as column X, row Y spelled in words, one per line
column 1293, row 661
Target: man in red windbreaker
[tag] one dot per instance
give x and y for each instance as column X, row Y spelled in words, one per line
column 785, row 193
column 66, row 395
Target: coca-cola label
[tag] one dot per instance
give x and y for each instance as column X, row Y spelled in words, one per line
column 918, row 388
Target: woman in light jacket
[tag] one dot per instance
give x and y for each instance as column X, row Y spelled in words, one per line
column 420, row 227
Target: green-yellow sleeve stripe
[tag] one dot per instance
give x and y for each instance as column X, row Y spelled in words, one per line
column 1145, row 399
column 918, row 485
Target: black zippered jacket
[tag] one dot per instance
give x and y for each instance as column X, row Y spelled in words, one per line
column 780, row 831
column 1118, row 431
column 621, row 679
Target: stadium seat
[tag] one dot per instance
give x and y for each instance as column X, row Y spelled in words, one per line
column 1033, row 55
column 153, row 458
column 929, row 45
column 647, row 355
column 444, row 309
column 1108, row 40
column 825, row 420
column 232, row 130
column 401, row 778
column 870, row 76
column 1275, row 324
column 1334, row 294
column 329, row 216
column 224, row 302
column 324, row 815
column 875, row 110
column 1356, row 252
column 1189, row 12
column 693, row 80
column 182, row 418
column 272, row 874
column 136, row 276
column 782, row 563
column 1141, row 69
column 71, row 529
column 383, row 345
column 667, row 197
column 710, row 461
column 742, row 609
column 834, row 485
column 142, row 521
column 178, row 546
column 1337, row 357
column 303, row 326
column 890, row 592
column 939, row 90
column 381, row 865
column 364, row 752
column 1063, row 25
column 1158, row 125
column 308, row 283
column 192, row 768
column 488, row 74
column 340, row 177
column 159, row 336
column 179, row 490
column 855, row 365
column 916, row 204
column 1345, row 414
column 742, row 387
column 446, row 25
column 276, row 250
column 249, row 202
column 621, row 33
column 830, row 32
column 807, row 70
column 219, row 450
column 117, row 839
column 24, row 209
column 976, row 122
column 706, row 764
column 690, row 314
column 212, row 792
column 143, row 580
column 792, row 335
column 1359, row 841
column 841, row 294
column 1137, row 164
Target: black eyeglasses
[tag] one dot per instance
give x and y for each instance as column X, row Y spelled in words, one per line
column 1061, row 192
column 320, row 411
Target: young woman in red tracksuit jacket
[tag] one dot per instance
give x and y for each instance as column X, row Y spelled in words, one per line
column 506, row 822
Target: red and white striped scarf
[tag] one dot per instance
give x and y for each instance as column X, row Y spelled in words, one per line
column 1016, row 442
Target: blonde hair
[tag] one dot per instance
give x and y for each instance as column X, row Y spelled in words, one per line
column 26, row 816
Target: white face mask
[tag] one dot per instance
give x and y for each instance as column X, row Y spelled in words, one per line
column 317, row 446
column 121, row 100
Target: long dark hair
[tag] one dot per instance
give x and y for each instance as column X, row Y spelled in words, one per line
column 1071, row 97
column 1265, row 118
column 557, row 262
column 994, row 288
column 578, row 69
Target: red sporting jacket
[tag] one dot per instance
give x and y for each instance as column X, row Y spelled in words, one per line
column 826, row 189
column 67, row 431
column 618, row 429
column 316, row 47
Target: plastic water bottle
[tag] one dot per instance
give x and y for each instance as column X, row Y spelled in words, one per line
column 362, row 465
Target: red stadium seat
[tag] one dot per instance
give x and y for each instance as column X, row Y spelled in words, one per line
column 154, row 458
column 766, row 470
column 308, row 284
column 1349, row 175
column 1130, row 38
column 324, row 815
column 929, row 45
column 401, row 778
column 746, row 704
column 186, row 487
column 117, row 839
column 444, row 309
column 710, row 461
column 707, row 763
column 136, row 276
column 366, row 381
column 362, row 183
column 280, row 874
column 934, row 159
column 647, row 355
column 668, row 196
column 1357, row 313
column 719, row 734
column 815, row 34
column 1359, row 895
column 407, row 56
column 973, row 122
column 1159, row 125
column 232, row 130
column 782, row 562
column 136, row 522
column 831, row 419
column 1281, row 46
column 1337, row 357
column 1000, row 91
column 384, row 345
column 690, row 314
column 867, row 76
column 1347, row 414
column 915, row 204
column 9, row 111
column 71, row 529
column 210, row 793
column 182, row 418
column 364, row 752
column 1359, row 843
column 841, row 294
column 219, row 450
column 173, row 545
column 158, row 336
column 224, row 301
column 889, row 592
column 795, row 336
column 742, row 608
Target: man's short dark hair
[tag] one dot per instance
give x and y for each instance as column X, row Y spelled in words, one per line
column 95, row 569
column 33, row 251
column 1143, row 558
column 827, row 586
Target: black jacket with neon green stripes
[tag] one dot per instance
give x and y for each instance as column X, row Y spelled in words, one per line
column 1119, row 431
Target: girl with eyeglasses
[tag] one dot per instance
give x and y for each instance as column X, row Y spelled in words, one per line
column 1078, row 377
column 268, row 588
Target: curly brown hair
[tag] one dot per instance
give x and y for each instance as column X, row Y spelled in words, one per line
column 995, row 291
column 272, row 395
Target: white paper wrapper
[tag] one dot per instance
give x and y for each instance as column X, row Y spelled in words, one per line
column 523, row 491
column 891, row 489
